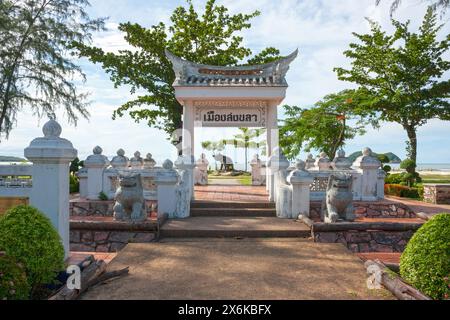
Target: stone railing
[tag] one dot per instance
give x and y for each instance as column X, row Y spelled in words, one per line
column 16, row 180
column 171, row 187
column 293, row 188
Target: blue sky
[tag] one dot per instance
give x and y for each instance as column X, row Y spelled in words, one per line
column 321, row 29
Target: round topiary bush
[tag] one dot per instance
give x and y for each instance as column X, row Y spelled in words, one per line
column 13, row 280
column 29, row 237
column 425, row 263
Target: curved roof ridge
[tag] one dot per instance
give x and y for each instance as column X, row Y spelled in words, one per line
column 191, row 73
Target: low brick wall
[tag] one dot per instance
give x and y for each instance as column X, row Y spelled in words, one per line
column 106, row 241
column 103, row 234
column 83, row 207
column 436, row 193
column 377, row 209
column 366, row 236
column 368, row 241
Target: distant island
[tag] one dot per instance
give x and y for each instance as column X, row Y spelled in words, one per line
column 11, row 159
column 392, row 157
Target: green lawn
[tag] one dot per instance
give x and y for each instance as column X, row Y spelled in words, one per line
column 245, row 180
column 435, row 178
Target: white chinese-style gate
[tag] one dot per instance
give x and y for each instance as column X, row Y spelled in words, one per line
column 244, row 96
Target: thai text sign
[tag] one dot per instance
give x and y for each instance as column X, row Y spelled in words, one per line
column 231, row 117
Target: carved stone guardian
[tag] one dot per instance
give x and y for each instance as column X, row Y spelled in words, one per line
column 129, row 197
column 338, row 202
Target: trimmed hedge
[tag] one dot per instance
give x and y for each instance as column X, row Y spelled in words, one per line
column 13, row 280
column 403, row 191
column 425, row 263
column 29, row 237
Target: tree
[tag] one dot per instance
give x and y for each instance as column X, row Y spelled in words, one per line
column 246, row 140
column 208, row 38
column 400, row 75
column 325, row 127
column 35, row 69
column 435, row 4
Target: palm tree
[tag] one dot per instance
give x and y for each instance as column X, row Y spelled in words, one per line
column 435, row 4
column 245, row 140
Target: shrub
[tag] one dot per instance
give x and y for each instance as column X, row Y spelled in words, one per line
column 13, row 280
column 393, row 178
column 408, row 165
column 102, row 196
column 387, row 168
column 74, row 184
column 425, row 263
column 29, row 237
column 400, row 190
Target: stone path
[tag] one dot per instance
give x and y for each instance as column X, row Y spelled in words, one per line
column 250, row 227
column 231, row 193
column 420, row 206
column 225, row 182
column 237, row 269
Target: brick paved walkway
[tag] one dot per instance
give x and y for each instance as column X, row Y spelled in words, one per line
column 231, row 193
column 420, row 206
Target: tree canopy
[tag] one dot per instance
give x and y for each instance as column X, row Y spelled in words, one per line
column 434, row 4
column 36, row 71
column 211, row 37
column 324, row 127
column 401, row 76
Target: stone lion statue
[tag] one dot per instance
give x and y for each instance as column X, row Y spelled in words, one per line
column 338, row 203
column 129, row 199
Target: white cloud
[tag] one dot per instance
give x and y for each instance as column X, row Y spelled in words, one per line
column 321, row 29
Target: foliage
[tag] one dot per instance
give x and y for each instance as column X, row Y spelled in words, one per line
column 209, row 38
column 75, row 165
column 435, row 4
column 399, row 190
column 400, row 75
column 29, row 237
column 74, row 183
column 387, row 168
column 13, row 280
column 36, row 73
column 325, row 127
column 425, row 261
column 102, row 196
column 393, row 178
column 408, row 165
column 410, row 177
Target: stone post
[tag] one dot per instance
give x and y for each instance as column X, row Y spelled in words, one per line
column 277, row 164
column 166, row 182
column 310, row 162
column 51, row 156
column 380, row 183
column 301, row 180
column 95, row 165
column 187, row 163
column 323, row 163
column 368, row 166
column 257, row 179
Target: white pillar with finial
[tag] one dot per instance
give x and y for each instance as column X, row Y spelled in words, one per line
column 51, row 156
column 95, row 165
column 301, row 180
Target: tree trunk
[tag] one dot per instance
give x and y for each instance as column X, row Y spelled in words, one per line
column 246, row 150
column 412, row 136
